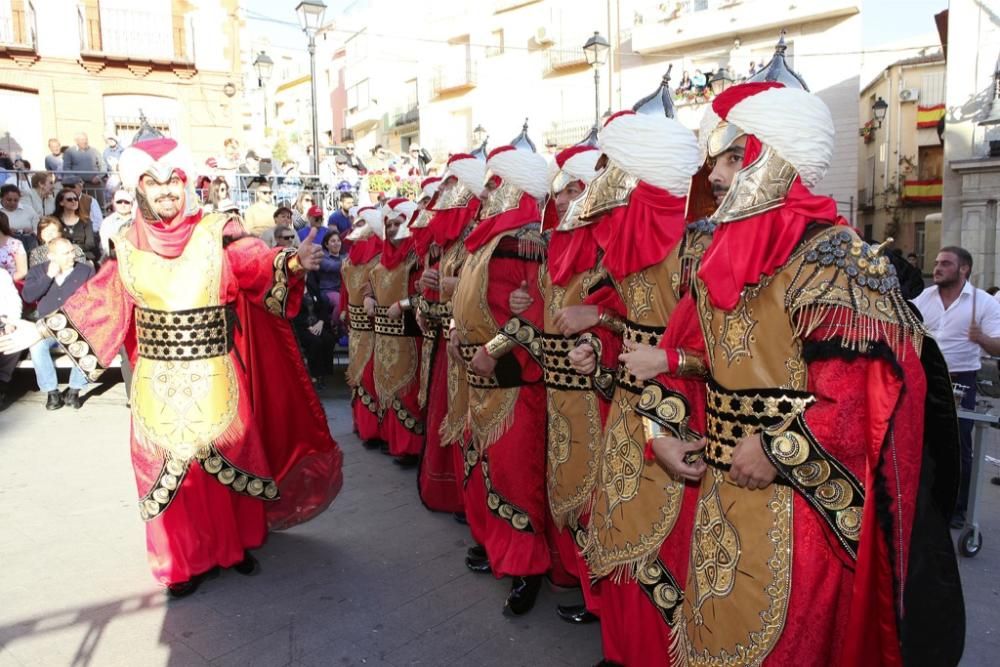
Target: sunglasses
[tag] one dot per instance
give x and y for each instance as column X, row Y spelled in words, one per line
column 123, row 201
column 70, row 199
column 263, row 192
column 286, row 238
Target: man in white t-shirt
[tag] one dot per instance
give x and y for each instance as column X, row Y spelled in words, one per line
column 965, row 321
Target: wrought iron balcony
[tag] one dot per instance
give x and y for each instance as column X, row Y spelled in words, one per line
column 406, row 115
column 563, row 59
column 454, row 79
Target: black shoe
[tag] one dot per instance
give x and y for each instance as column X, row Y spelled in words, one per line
column 477, row 560
column 523, row 592
column 55, row 401
column 607, row 663
column 958, row 520
column 248, row 566
column 576, row 614
column 73, row 399
column 407, row 461
column 460, row 518
column 185, row 588
column 373, row 443
column 384, row 447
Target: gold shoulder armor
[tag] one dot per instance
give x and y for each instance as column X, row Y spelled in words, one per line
column 848, row 286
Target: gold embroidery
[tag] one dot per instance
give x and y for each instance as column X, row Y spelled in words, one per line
column 639, row 295
column 623, row 459
column 737, row 333
column 715, row 552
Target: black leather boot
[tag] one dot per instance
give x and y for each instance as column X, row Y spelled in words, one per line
column 248, row 566
column 576, row 614
column 477, row 560
column 523, row 592
column 73, row 399
column 54, row 401
column 407, row 461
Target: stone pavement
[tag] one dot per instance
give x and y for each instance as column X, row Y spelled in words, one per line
column 377, row 580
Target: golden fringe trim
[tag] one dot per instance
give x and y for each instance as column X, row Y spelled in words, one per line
column 451, row 433
column 531, row 248
column 859, row 331
column 620, row 571
column 487, row 438
column 680, row 646
column 233, row 435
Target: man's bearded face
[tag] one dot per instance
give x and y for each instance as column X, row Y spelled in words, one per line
column 566, row 196
column 725, row 167
column 391, row 227
column 947, row 271
column 165, row 199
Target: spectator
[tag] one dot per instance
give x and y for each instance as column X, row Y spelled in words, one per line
column 85, row 161
column 312, row 330
column 39, row 197
column 112, row 153
column 49, row 229
column 302, row 206
column 913, row 260
column 753, row 68
column 88, row 204
column 10, row 311
column 217, row 192
column 964, row 321
column 344, row 176
column 282, row 225
column 353, row 161
column 418, row 159
column 249, row 172
column 315, row 219
column 19, row 175
column 685, row 84
column 341, row 218
column 698, row 82
column 76, row 224
column 120, row 217
column 259, row 216
column 22, row 219
column 54, row 160
column 284, row 237
column 911, row 282
column 324, row 282
column 13, row 258
column 290, row 182
column 50, row 284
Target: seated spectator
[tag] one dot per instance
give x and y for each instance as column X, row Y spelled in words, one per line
column 315, row 219
column 913, row 260
column 313, row 332
column 301, row 209
column 217, row 192
column 13, row 259
column 324, row 282
column 119, row 218
column 753, row 68
column 22, row 219
column 76, row 224
column 282, row 219
column 10, row 311
column 49, row 229
column 259, row 216
column 50, row 284
column 39, row 197
column 685, row 84
column 341, row 218
column 89, row 207
column 698, row 81
column 284, row 237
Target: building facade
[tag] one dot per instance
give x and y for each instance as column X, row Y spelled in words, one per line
column 900, row 161
column 970, row 217
column 93, row 65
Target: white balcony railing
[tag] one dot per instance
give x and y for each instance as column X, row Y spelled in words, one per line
column 136, row 34
column 561, row 58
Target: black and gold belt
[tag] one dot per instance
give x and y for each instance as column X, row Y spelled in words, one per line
column 560, row 374
column 732, row 415
column 358, row 318
column 182, row 335
column 506, row 374
column 405, row 327
column 643, row 335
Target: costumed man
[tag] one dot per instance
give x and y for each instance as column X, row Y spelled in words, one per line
column 576, row 404
column 641, row 516
column 364, row 255
column 397, row 349
column 821, row 524
column 228, row 436
column 505, row 375
column 438, row 477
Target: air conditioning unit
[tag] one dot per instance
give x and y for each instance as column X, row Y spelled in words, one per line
column 543, row 36
column 909, row 95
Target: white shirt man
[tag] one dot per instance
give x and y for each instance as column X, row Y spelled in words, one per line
column 950, row 325
column 112, row 224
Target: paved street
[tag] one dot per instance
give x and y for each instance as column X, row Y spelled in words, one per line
column 378, row 580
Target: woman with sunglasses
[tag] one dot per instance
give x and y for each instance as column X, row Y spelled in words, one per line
column 300, row 212
column 76, row 224
column 218, row 191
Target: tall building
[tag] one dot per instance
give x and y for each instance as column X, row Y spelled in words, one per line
column 900, row 158
column 93, row 65
column 970, row 33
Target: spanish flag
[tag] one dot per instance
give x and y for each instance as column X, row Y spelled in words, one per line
column 923, row 192
column 929, row 116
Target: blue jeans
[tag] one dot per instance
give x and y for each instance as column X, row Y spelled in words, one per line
column 45, row 369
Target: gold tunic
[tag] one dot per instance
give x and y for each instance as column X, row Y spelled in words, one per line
column 455, row 421
column 574, row 416
column 396, row 359
column 181, row 407
column 361, row 342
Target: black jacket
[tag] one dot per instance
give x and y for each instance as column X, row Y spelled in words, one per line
column 49, row 295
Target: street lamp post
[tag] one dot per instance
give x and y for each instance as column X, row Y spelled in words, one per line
column 879, row 108
column 311, row 19
column 478, row 136
column 263, row 65
column 721, row 81
column 596, row 52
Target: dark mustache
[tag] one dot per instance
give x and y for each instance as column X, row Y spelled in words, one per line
column 719, row 189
